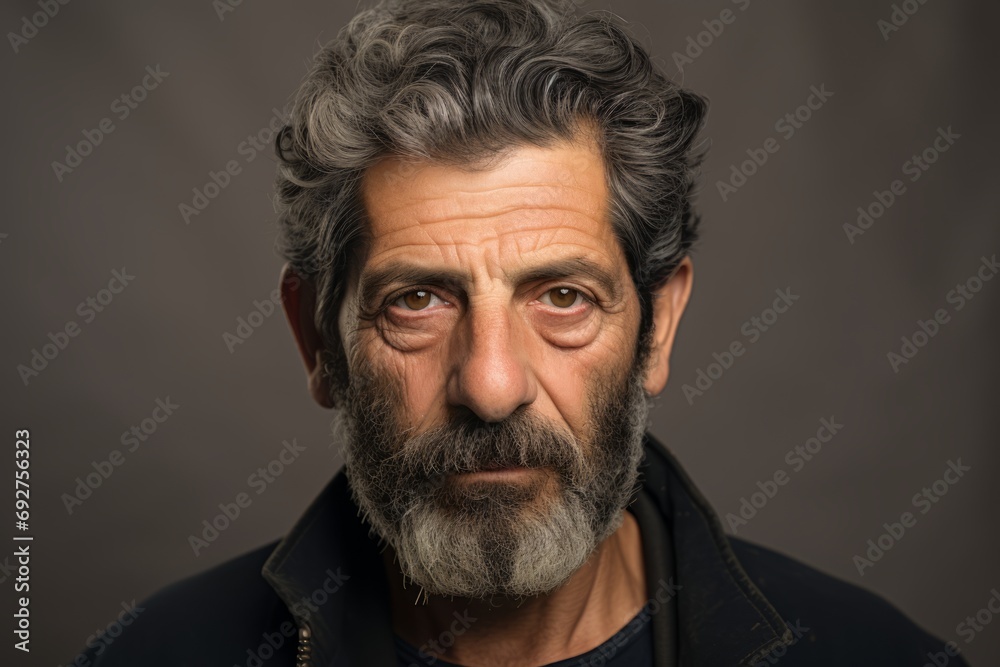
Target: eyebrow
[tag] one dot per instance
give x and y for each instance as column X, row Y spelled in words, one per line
column 374, row 282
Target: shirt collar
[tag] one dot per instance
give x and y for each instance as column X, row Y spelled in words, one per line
column 328, row 572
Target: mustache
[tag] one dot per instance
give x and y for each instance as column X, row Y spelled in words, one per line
column 466, row 444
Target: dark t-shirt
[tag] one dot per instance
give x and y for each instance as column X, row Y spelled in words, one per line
column 632, row 646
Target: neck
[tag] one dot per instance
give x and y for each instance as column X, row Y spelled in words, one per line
column 594, row 603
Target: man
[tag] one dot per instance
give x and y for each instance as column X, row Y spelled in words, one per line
column 485, row 208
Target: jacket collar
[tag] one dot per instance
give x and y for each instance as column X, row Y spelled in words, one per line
column 723, row 618
column 328, row 572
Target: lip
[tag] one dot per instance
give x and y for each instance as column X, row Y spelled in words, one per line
column 509, row 474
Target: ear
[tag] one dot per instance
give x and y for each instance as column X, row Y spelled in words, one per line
column 669, row 301
column 298, row 297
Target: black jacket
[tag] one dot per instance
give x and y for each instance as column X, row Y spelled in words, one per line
column 319, row 598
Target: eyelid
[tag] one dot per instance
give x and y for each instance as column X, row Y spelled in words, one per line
column 393, row 299
column 396, row 295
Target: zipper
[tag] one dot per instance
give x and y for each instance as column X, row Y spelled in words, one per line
column 303, row 657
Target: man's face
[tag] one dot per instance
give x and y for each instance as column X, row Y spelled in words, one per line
column 495, row 409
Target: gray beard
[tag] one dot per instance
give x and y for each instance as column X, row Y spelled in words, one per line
column 489, row 538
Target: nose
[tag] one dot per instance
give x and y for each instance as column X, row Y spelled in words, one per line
column 490, row 373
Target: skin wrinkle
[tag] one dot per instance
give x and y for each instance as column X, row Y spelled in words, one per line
column 453, row 199
column 546, row 193
column 425, row 227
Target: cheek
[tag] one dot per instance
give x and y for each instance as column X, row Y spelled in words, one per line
column 577, row 379
column 573, row 379
column 417, row 377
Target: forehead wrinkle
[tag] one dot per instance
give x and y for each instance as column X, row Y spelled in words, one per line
column 515, row 219
column 487, row 247
column 502, row 190
column 459, row 197
column 548, row 221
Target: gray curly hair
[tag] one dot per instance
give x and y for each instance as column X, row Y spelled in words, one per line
column 459, row 82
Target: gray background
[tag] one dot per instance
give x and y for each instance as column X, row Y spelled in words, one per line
column 826, row 357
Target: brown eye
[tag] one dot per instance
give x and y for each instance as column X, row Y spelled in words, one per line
column 563, row 297
column 417, row 300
